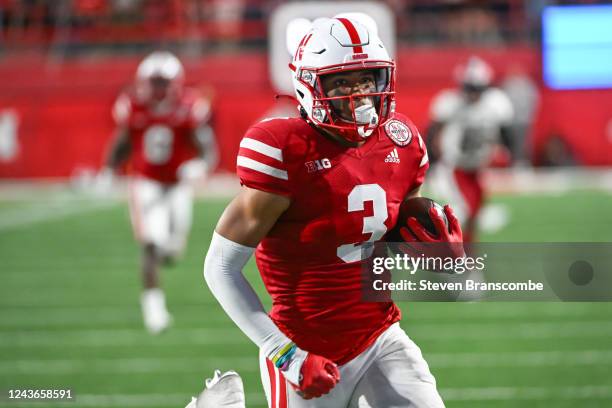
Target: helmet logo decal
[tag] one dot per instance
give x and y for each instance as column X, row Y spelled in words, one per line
column 300, row 50
column 398, row 132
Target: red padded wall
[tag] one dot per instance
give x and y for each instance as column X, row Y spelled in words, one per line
column 64, row 107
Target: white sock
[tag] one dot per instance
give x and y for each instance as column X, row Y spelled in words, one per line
column 154, row 312
column 153, row 299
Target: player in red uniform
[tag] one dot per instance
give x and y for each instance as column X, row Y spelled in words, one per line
column 317, row 192
column 162, row 129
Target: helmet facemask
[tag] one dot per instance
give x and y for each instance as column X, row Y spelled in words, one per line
column 354, row 106
column 159, row 88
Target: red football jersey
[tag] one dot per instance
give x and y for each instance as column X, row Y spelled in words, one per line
column 310, row 261
column 161, row 140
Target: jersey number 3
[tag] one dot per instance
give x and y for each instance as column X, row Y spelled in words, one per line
column 374, row 224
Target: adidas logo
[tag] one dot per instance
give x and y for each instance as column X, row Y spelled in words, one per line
column 392, row 157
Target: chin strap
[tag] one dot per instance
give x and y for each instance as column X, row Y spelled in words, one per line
column 365, row 132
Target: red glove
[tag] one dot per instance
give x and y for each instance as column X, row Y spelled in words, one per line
column 318, row 376
column 433, row 245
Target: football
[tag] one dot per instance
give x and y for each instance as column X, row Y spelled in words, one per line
column 417, row 207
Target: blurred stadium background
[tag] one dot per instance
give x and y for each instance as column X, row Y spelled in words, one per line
column 68, row 265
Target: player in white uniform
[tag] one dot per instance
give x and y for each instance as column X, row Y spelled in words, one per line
column 467, row 124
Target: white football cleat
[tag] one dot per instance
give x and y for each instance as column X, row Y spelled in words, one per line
column 193, row 403
column 155, row 315
column 222, row 391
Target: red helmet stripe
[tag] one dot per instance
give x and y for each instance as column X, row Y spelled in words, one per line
column 352, row 31
column 300, row 48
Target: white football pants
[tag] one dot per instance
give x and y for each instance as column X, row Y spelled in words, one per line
column 391, row 373
column 161, row 214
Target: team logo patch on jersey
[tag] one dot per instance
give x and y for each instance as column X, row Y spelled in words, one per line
column 399, row 133
column 318, row 165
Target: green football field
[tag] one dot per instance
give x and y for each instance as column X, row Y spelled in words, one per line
column 70, row 318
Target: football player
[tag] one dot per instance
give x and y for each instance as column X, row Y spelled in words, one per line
column 468, row 125
column 317, row 192
column 162, row 129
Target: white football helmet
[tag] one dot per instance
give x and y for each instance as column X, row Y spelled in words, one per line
column 335, row 45
column 160, row 71
column 476, row 74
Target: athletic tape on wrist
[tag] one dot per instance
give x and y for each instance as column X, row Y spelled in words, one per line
column 284, row 355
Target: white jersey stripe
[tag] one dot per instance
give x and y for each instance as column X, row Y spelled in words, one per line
column 424, row 160
column 262, row 148
column 277, row 387
column 262, row 168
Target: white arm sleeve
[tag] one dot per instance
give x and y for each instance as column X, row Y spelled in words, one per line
column 223, row 274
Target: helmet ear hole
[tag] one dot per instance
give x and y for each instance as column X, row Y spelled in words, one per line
column 303, row 112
